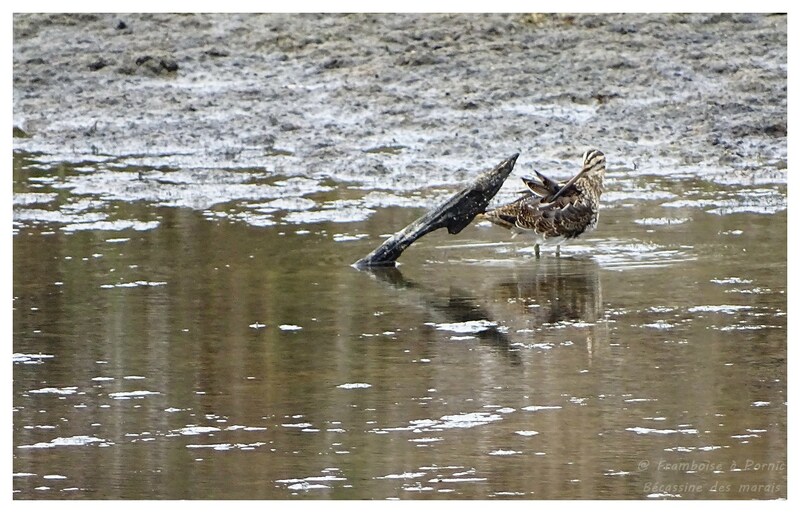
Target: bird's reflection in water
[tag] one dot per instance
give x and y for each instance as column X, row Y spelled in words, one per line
column 558, row 293
column 521, row 302
column 564, row 290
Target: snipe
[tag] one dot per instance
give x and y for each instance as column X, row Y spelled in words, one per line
column 555, row 212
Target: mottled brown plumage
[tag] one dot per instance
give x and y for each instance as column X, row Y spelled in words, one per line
column 554, row 212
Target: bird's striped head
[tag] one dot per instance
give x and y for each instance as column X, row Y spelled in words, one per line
column 594, row 163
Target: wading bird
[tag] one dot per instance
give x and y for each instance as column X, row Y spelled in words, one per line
column 553, row 213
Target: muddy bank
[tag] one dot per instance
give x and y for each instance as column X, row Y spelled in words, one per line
column 404, row 101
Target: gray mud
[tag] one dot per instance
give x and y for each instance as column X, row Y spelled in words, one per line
column 404, row 102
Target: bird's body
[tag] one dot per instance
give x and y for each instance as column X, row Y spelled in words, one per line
column 555, row 212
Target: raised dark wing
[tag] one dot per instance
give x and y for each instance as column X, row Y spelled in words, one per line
column 550, row 184
column 535, row 187
column 542, row 185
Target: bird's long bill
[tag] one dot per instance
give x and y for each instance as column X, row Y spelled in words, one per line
column 569, row 183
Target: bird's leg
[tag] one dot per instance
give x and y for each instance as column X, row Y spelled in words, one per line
column 558, row 250
column 536, row 250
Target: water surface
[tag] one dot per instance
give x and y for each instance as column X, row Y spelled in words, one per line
column 179, row 337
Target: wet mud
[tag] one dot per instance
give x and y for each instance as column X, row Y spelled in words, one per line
column 404, row 102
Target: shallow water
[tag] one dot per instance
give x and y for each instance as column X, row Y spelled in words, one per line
column 202, row 335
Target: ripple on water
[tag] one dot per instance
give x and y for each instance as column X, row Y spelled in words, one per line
column 427, row 440
column 458, row 421
column 118, row 225
column 29, row 359
column 253, row 219
column 54, row 390
column 706, row 448
column 659, row 325
column 333, row 214
column 464, row 327
column 346, row 237
column 404, row 475
column 289, row 327
column 132, row 395
column 195, row 430
column 731, row 279
column 660, row 221
column 32, row 198
column 297, row 203
column 36, row 215
column 726, row 309
column 75, row 221
column 541, row 408
column 735, row 327
column 301, row 425
column 503, row 452
column 133, row 284
column 465, row 420
column 310, row 483
column 654, row 431
column 226, row 446
column 72, row 441
column 754, row 201
column 617, row 254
